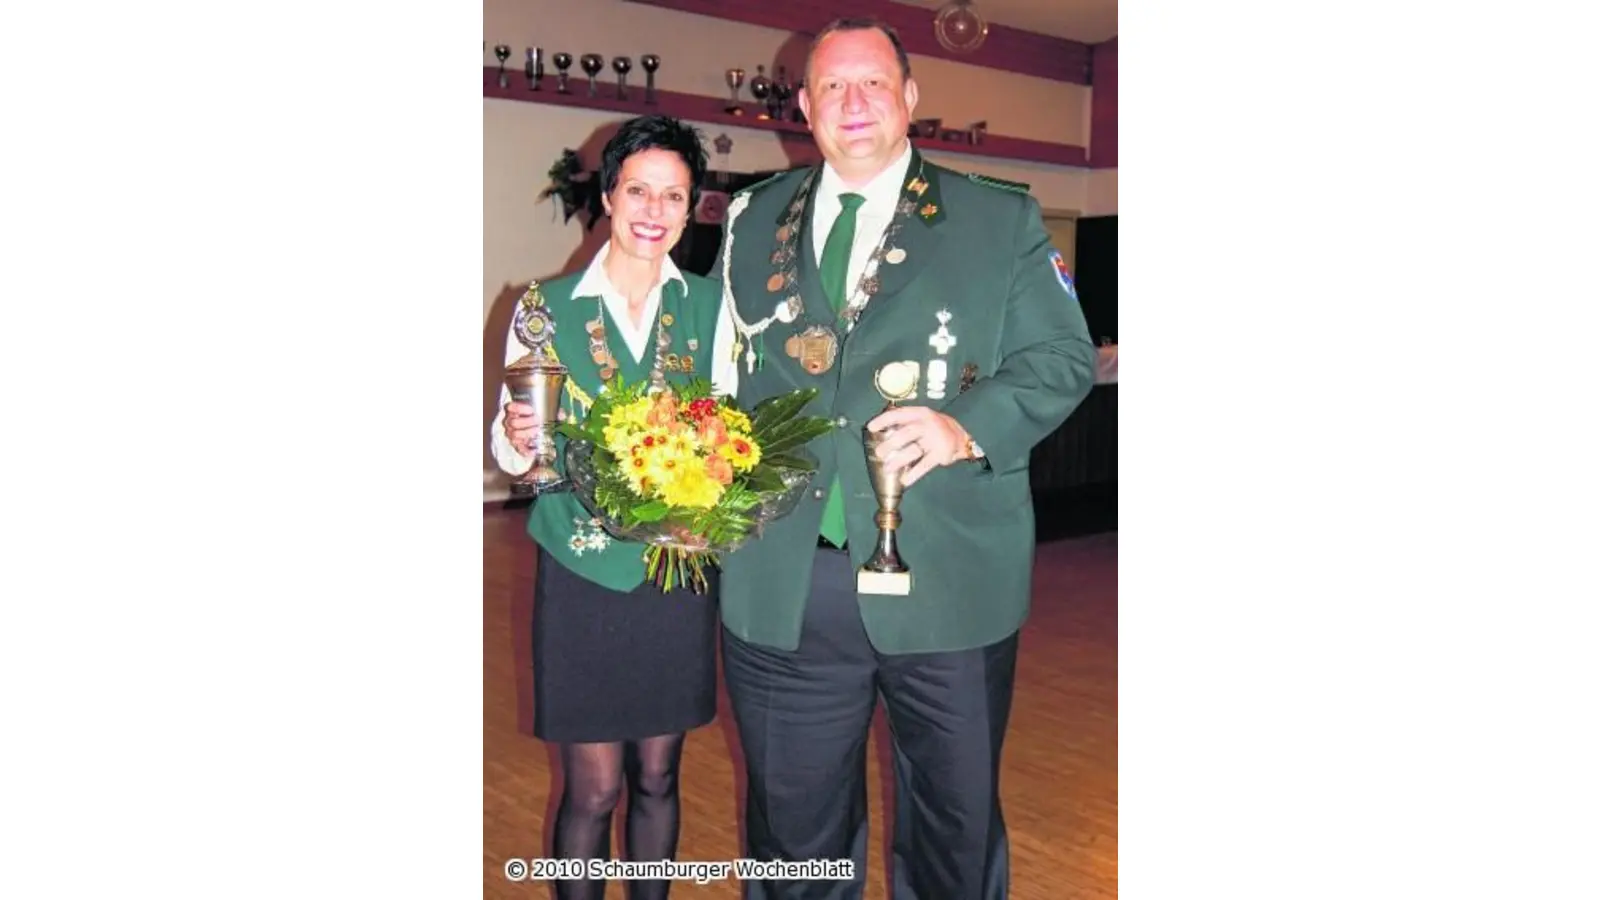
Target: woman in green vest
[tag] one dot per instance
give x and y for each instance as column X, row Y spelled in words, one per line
column 621, row 670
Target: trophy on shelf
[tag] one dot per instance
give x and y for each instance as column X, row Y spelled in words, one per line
column 537, row 380
column 563, row 62
column 782, row 92
column 885, row 572
column 761, row 89
column 502, row 52
column 534, row 67
column 622, row 66
column 592, row 63
column 798, row 115
column 735, row 80
column 650, row 63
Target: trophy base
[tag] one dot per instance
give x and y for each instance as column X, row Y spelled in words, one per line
column 539, row 489
column 537, row 482
column 893, row 584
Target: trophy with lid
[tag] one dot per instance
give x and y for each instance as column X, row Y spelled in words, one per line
column 761, row 89
column 537, row 379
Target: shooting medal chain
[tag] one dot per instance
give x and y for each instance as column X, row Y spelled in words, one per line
column 785, row 257
column 600, row 352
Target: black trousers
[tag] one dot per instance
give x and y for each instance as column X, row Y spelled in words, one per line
column 804, row 718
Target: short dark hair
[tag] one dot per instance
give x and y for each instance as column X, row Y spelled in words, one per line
column 864, row 23
column 654, row 133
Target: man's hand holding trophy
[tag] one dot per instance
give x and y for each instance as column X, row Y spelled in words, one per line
column 885, row 572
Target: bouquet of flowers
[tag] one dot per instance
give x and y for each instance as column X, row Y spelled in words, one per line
column 687, row 473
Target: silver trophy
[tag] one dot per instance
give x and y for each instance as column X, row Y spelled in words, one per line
column 650, row 62
column 534, row 67
column 502, row 52
column 622, row 66
column 735, row 80
column 591, row 64
column 537, row 379
column 885, row 572
column 563, row 62
column 761, row 89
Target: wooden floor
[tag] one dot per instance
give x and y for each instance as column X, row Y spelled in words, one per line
column 1059, row 781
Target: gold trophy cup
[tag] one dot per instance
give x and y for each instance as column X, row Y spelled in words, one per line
column 537, row 379
column 885, row 572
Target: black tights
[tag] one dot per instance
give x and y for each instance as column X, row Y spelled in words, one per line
column 594, row 775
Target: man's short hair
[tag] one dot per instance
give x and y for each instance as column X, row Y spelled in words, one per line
column 862, row 24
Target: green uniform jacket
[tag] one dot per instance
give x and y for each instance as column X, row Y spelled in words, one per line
column 978, row 250
column 558, row 522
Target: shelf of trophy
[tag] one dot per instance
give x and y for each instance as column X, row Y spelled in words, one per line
column 638, row 99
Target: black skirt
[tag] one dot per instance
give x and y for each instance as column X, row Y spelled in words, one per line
column 611, row 666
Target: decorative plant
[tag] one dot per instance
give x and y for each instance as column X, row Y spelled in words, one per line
column 579, row 191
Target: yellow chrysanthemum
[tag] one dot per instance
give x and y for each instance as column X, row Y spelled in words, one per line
column 637, row 470
column 690, row 487
column 665, row 458
column 642, row 463
column 629, row 445
column 742, row 452
column 682, row 444
column 736, row 421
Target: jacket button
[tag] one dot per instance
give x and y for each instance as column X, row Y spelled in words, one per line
column 841, row 421
column 816, row 494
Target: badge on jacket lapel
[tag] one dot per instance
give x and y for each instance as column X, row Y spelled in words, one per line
column 1062, row 275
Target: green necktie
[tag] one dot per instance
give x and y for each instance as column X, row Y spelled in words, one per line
column 835, row 263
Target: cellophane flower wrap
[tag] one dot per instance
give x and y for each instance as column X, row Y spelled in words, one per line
column 687, row 473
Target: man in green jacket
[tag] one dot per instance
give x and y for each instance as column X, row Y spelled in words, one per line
column 849, row 277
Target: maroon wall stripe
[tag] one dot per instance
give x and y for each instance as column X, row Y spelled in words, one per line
column 1006, row 49
column 1103, row 107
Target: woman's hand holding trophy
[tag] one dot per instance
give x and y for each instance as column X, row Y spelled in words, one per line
column 535, row 382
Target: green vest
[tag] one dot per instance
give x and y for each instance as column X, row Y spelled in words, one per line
column 558, row 522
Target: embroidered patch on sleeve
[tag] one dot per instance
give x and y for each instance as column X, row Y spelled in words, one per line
column 1063, row 275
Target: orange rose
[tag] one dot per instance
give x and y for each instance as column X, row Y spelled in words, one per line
column 664, row 413
column 719, row 470
column 713, row 432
